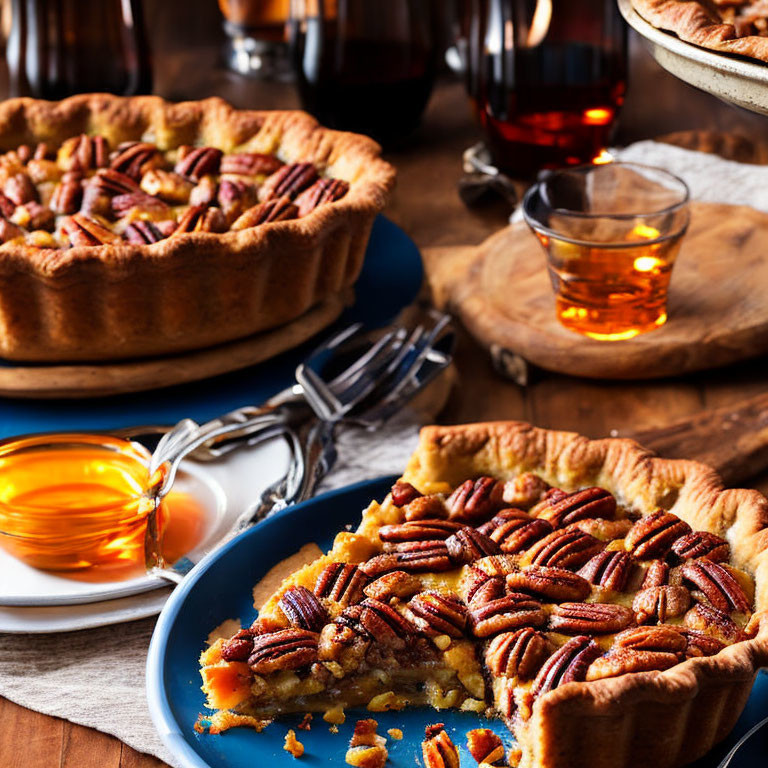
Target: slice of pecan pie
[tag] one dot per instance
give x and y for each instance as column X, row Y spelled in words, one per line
column 609, row 606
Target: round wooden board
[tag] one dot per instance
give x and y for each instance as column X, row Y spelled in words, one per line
column 96, row 380
column 718, row 313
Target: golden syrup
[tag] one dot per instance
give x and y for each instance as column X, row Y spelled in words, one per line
column 73, row 502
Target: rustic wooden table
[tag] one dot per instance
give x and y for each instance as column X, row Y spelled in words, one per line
column 427, row 207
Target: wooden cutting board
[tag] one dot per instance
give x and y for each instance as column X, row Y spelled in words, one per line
column 718, row 309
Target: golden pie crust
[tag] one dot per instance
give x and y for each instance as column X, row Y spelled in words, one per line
column 196, row 289
column 721, row 25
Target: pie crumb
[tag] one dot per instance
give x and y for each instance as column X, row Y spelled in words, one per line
column 293, row 745
column 395, row 733
column 366, row 748
column 335, row 716
column 334, row 729
column 306, row 723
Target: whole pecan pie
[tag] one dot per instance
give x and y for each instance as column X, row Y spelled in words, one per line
column 731, row 26
column 609, row 606
column 132, row 227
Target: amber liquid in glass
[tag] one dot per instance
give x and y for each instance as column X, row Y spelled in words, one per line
column 263, row 19
column 612, row 293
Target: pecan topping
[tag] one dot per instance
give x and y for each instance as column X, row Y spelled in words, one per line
column 517, row 654
column 625, row 660
column 515, row 530
column 383, row 624
column 567, row 664
column 83, row 153
column 478, row 588
column 239, row 647
column 166, row 185
column 608, row 569
column 656, row 575
column 497, row 565
column 143, row 233
column 234, row 197
column 200, row 218
column 322, row 191
column 700, row 643
column 592, row 618
column 485, row 746
column 437, row 748
column 342, row 583
column 249, row 164
column 141, row 201
column 580, row 505
column 82, row 230
column 525, row 490
column 68, row 193
column 33, row 216
column 302, row 609
column 653, row 536
column 19, row 189
column 403, row 493
column 707, row 619
column 276, row 209
column 702, row 544
column 437, row 613
column 412, row 557
column 426, row 507
column 198, row 162
column 7, row 207
column 660, row 603
column 658, row 638
column 468, row 545
column 289, row 181
column 475, row 500
column 563, row 548
column 107, row 184
column 281, row 650
column 717, row 584
column 395, row 584
column 554, row 584
column 133, row 158
column 418, row 530
column 512, row 611
column 9, row 231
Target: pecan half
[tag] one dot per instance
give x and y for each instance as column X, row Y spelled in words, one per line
column 475, row 500
column 383, row 624
column 660, row 603
column 658, row 638
column 167, row 185
column 289, row 181
column 276, row 209
column 702, row 544
column 705, row 618
column 200, row 218
column 239, row 647
column 652, row 536
column 626, row 660
column 234, row 197
column 68, row 193
column 485, row 746
column 418, row 530
column 512, row 611
column 20, row 189
column 525, row 490
column 517, row 654
column 699, row 643
column 342, row 583
column 716, row 584
column 322, row 191
column 437, row 749
column 107, row 184
column 515, row 530
column 83, row 153
column 282, row 650
column 497, row 565
column 591, row 618
column 553, row 584
column 140, row 201
column 198, row 162
column 9, row 231
column 82, row 230
column 426, row 507
column 580, row 505
column 656, row 575
column 478, row 588
column 412, row 557
column 609, row 569
column 302, row 609
column 204, row 192
column 395, row 584
column 567, row 664
column 7, row 206
column 403, row 493
column 468, row 545
column 250, row 164
column 133, row 158
column 563, row 548
column 438, row 613
column 142, row 233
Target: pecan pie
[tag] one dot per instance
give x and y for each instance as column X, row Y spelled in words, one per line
column 731, row 26
column 132, row 227
column 609, row 606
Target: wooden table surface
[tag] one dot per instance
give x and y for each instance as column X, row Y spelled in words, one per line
column 427, row 207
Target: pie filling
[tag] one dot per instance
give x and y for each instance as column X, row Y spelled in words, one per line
column 86, row 193
column 749, row 17
column 483, row 599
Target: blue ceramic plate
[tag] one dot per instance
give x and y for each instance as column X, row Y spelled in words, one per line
column 219, row 588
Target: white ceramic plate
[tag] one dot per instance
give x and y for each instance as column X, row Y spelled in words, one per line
column 736, row 79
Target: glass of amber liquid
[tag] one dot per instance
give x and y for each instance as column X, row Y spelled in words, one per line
column 612, row 233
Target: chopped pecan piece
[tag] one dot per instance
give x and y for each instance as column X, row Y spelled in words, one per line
column 200, row 218
column 702, row 544
column 580, row 505
column 142, row 233
column 552, row 584
column 525, row 490
column 134, row 158
column 82, row 230
column 656, row 575
column 515, row 530
column 567, row 664
column 437, row 748
column 204, row 192
column 250, row 164
column 68, row 193
column 438, row 613
column 9, row 231
column 198, row 162
column 626, row 660
column 322, row 191
column 660, row 603
column 302, row 609
column 403, row 493
column 477, row 587
column 342, row 583
column 42, row 171
column 700, row 643
column 19, row 189
column 517, row 654
column 395, row 584
column 475, row 500
column 366, row 748
column 412, row 557
column 705, row 618
column 658, row 638
column 716, row 584
column 282, row 650
column 652, row 536
column 609, row 569
column 33, row 216
column 167, row 185
column 591, row 618
column 468, row 545
column 239, row 647
column 418, row 530
column 276, row 209
column 563, row 548
column 512, row 611
column 485, row 746
column 83, row 153
column 288, row 181
column 426, row 507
